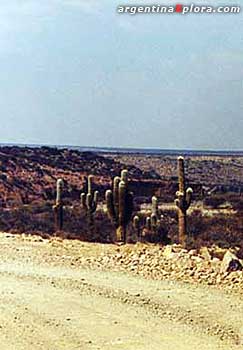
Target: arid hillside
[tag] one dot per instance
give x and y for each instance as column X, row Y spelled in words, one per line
column 28, row 189
column 30, row 174
column 224, row 173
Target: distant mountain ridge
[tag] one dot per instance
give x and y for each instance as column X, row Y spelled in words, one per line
column 150, row 151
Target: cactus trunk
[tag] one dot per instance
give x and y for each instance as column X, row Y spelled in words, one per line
column 182, row 202
column 58, row 217
column 58, row 207
column 121, row 234
column 182, row 227
column 137, row 228
column 119, row 202
column 91, row 225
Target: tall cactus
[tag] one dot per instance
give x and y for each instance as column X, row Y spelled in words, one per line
column 89, row 202
column 183, row 201
column 119, row 203
column 58, row 207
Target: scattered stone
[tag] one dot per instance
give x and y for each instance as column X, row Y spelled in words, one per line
column 192, row 252
column 218, row 252
column 204, row 252
column 169, row 252
column 197, row 259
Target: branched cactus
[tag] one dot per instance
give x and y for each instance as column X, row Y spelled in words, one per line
column 183, row 201
column 58, row 207
column 119, row 203
column 153, row 222
column 155, row 230
column 89, row 202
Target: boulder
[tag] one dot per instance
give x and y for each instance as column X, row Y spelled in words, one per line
column 230, row 263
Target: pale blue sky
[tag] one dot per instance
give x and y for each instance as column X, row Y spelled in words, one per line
column 75, row 72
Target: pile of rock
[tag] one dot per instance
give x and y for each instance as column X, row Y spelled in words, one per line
column 211, row 266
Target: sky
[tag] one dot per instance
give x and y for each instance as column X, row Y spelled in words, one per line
column 75, row 72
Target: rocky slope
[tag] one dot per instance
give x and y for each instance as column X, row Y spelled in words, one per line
column 29, row 174
column 210, row 266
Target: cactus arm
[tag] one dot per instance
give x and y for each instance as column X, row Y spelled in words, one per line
column 95, row 201
column 180, row 201
column 136, row 222
column 124, row 176
column 137, row 226
column 90, row 181
column 116, row 194
column 155, row 208
column 83, row 200
column 122, row 201
column 110, row 206
column 148, row 223
column 89, row 202
column 154, row 220
column 189, row 192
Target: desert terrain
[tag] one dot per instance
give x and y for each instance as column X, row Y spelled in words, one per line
column 77, row 288
column 64, row 294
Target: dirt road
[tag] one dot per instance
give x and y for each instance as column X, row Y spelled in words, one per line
column 48, row 304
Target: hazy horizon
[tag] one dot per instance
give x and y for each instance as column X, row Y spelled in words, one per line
column 132, row 149
column 77, row 73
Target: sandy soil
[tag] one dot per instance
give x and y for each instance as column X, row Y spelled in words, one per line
column 49, row 303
